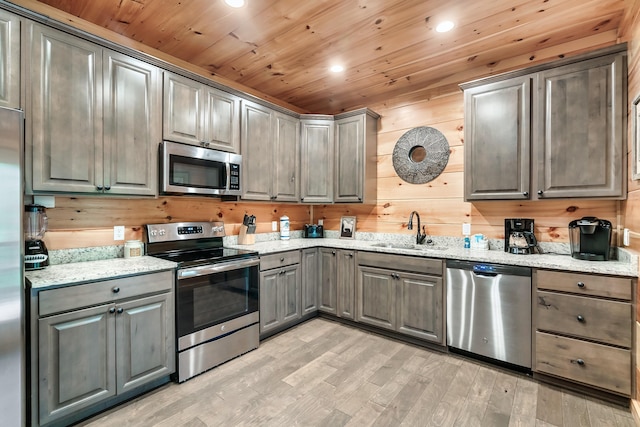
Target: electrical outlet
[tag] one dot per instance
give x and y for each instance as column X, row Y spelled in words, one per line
column 321, row 222
column 118, row 232
column 466, row 229
column 625, row 237
column 274, row 225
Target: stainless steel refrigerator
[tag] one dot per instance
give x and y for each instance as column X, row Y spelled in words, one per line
column 12, row 317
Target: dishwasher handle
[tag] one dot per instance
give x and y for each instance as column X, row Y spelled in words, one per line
column 486, row 269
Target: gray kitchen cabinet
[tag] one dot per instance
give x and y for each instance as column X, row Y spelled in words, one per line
column 401, row 293
column 355, row 157
column 197, row 114
column 316, row 159
column 497, row 140
column 280, row 285
column 580, row 142
column 97, row 341
column 310, row 280
column 93, row 117
column 346, row 278
column 567, row 117
column 327, row 297
column 9, row 60
column 270, row 142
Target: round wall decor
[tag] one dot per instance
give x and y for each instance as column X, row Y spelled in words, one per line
column 420, row 155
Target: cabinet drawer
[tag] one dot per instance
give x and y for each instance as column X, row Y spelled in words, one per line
column 595, row 364
column 401, row 262
column 603, row 286
column 79, row 296
column 598, row 319
column 267, row 262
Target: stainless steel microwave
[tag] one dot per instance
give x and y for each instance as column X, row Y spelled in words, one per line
column 188, row 169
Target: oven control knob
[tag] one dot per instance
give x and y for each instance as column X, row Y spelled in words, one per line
column 162, row 232
column 154, row 233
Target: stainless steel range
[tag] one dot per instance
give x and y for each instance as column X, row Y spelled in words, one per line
column 217, row 294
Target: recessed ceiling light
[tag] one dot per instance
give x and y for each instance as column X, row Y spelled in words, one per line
column 336, row 68
column 444, row 26
column 234, row 3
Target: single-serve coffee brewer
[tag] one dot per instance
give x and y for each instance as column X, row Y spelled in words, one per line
column 36, row 255
column 518, row 236
column 590, row 238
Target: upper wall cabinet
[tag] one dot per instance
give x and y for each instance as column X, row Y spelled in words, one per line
column 356, row 157
column 556, row 131
column 317, row 159
column 93, row 117
column 270, row 148
column 9, row 60
column 198, row 114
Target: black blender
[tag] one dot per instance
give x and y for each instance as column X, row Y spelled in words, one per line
column 35, row 225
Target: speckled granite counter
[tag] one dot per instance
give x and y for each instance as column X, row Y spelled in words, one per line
column 627, row 265
column 82, row 272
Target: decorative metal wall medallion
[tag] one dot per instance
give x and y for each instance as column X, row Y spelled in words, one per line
column 420, row 155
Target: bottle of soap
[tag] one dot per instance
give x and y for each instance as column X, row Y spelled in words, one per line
column 284, row 227
column 467, row 242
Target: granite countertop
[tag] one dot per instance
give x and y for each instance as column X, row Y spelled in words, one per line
column 626, row 265
column 90, row 271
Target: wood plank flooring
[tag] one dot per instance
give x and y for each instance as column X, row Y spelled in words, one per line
column 323, row 373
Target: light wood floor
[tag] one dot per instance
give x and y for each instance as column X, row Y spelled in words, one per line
column 322, row 373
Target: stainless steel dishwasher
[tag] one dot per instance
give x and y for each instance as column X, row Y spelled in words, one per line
column 489, row 310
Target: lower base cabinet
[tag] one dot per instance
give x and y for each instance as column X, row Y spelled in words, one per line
column 280, row 282
column 402, row 294
column 88, row 355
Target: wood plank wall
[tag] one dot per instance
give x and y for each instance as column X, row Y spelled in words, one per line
column 631, row 207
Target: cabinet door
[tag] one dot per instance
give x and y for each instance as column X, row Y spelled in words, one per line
column 328, row 281
column 286, row 165
column 76, row 358
column 222, row 119
column 65, row 101
column 346, row 284
column 183, row 107
column 310, row 276
column 9, row 60
column 376, row 297
column 580, row 135
column 349, row 162
column 316, row 161
column 257, row 152
column 420, row 308
column 289, row 283
column 144, row 340
column 497, row 140
column 132, row 125
column 269, row 297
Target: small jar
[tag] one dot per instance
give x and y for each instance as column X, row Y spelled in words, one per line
column 133, row 248
column 284, row 227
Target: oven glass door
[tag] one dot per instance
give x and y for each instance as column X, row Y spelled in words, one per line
column 208, row 299
column 192, row 172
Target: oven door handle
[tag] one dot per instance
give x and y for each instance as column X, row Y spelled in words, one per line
column 216, row 268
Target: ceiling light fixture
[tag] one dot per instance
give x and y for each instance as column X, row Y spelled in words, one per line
column 336, row 68
column 234, row 3
column 444, row 26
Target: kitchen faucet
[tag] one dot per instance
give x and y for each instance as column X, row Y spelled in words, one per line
column 419, row 236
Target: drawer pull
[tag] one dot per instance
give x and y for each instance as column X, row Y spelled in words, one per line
column 116, row 290
column 581, row 285
column 580, row 318
column 282, row 259
column 579, row 362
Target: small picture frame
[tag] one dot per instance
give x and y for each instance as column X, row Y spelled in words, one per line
column 635, row 136
column 348, row 227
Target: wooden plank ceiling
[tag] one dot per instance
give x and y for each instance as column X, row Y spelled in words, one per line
column 389, row 48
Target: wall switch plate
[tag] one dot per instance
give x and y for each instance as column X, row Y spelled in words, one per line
column 118, row 232
column 625, row 237
column 466, row 229
column 274, row 225
column 321, row 222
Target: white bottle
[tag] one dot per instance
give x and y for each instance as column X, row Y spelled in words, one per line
column 284, row 227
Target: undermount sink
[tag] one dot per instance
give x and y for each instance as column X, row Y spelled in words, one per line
column 407, row 246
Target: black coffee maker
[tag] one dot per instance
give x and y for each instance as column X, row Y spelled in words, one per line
column 590, row 238
column 518, row 236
